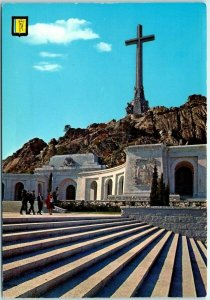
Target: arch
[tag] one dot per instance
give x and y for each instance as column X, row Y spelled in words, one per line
column 184, row 177
column 120, row 185
column 18, row 191
column 108, row 188
column 70, row 192
column 2, row 190
column 42, row 184
column 93, row 190
column 62, row 187
column 191, row 162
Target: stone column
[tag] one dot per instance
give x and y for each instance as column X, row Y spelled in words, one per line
column 100, row 189
column 202, row 177
column 81, row 189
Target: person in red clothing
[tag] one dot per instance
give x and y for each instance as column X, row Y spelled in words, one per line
column 49, row 203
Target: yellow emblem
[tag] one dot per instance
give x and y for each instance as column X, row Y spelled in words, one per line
column 20, row 26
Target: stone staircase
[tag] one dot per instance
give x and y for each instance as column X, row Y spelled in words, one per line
column 64, row 256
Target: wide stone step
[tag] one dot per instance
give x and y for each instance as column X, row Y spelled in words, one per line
column 93, row 284
column 47, row 225
column 200, row 262
column 18, row 267
column 9, row 237
column 132, row 283
column 187, row 273
column 37, row 286
column 27, row 247
column 203, row 248
column 53, row 218
column 163, row 284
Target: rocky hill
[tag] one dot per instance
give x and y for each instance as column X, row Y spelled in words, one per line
column 172, row 126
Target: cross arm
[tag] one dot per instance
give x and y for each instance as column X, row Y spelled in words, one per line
column 147, row 38
column 131, row 42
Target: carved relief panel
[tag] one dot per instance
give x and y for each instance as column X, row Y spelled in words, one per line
column 143, row 172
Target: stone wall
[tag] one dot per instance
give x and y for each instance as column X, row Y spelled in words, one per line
column 191, row 222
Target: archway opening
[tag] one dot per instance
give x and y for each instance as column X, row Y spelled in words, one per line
column 120, row 185
column 70, row 192
column 18, row 191
column 109, row 187
column 184, row 174
column 93, row 191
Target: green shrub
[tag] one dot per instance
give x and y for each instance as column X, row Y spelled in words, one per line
column 83, row 206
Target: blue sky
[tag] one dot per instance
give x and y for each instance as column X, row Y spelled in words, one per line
column 74, row 67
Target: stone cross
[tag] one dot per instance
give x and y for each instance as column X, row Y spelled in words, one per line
column 140, row 105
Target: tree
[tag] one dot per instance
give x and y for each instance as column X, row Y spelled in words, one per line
column 166, row 196
column 161, row 191
column 50, row 183
column 159, row 195
column 154, row 188
column 66, row 128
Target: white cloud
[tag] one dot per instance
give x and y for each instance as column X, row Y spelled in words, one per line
column 104, row 47
column 47, row 67
column 60, row 32
column 50, row 54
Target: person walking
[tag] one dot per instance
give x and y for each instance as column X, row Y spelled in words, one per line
column 32, row 198
column 49, row 203
column 27, row 199
column 54, row 195
column 24, row 202
column 40, row 203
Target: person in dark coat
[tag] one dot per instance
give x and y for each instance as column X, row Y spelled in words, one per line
column 40, row 203
column 24, row 202
column 32, row 198
column 55, row 196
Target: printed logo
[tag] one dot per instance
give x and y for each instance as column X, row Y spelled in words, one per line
column 20, row 26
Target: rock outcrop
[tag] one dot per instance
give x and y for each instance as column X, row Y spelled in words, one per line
column 25, row 159
column 172, row 126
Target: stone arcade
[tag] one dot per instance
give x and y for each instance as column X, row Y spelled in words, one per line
column 81, row 177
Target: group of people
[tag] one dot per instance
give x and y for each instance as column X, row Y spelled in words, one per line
column 30, row 197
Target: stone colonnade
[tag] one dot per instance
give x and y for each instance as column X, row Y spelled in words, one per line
column 81, row 177
column 95, row 185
